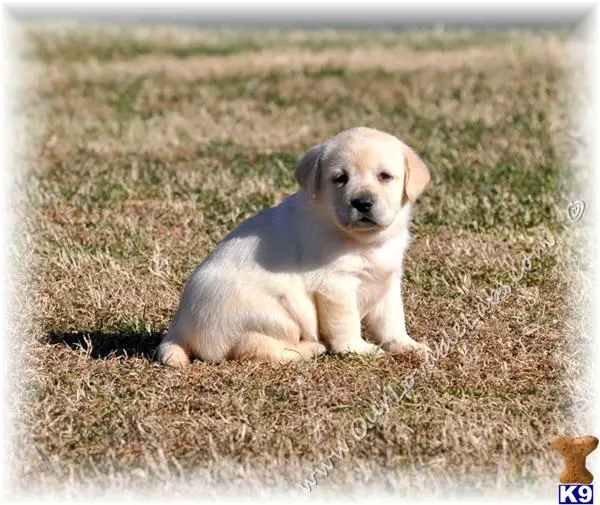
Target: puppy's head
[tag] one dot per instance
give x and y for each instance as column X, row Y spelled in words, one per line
column 361, row 178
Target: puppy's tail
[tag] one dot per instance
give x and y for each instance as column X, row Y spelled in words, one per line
column 172, row 355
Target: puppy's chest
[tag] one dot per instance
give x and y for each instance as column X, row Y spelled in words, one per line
column 373, row 279
column 374, row 270
column 382, row 262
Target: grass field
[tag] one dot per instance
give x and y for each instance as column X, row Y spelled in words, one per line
column 146, row 145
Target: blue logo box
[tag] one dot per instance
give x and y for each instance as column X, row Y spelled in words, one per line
column 575, row 493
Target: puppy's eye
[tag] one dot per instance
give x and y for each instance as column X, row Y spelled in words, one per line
column 385, row 177
column 341, row 179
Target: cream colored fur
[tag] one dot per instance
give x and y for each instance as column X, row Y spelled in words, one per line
column 297, row 279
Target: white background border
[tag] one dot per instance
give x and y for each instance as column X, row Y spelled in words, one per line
column 539, row 13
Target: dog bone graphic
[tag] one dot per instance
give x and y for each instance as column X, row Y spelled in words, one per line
column 575, row 450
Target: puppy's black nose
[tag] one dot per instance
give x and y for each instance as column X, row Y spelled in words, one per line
column 363, row 203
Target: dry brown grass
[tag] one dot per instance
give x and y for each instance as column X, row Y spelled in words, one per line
column 147, row 145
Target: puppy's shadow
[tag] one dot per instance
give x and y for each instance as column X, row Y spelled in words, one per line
column 101, row 345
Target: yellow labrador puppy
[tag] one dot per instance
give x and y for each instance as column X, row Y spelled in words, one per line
column 297, row 279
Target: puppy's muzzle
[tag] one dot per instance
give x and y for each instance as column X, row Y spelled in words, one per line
column 364, row 211
column 363, row 203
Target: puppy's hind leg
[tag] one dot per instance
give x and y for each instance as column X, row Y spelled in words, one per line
column 172, row 354
column 262, row 347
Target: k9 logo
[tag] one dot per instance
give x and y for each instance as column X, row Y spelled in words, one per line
column 574, row 493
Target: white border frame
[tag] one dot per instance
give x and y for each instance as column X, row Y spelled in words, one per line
column 538, row 13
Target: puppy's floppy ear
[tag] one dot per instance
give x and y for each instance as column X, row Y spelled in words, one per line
column 308, row 170
column 416, row 174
